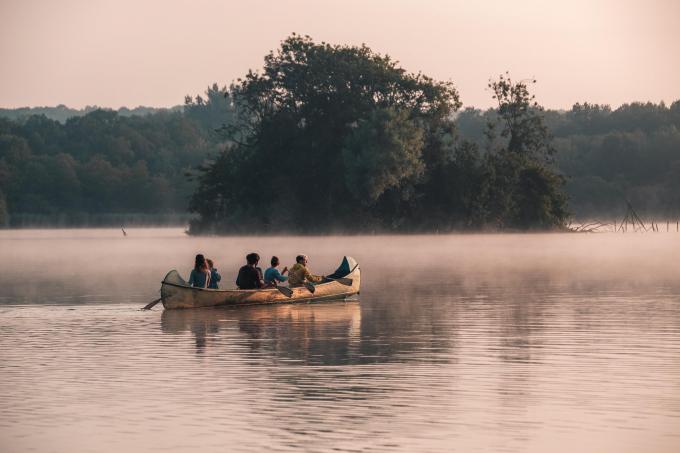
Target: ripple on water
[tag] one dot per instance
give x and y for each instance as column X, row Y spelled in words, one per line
column 464, row 353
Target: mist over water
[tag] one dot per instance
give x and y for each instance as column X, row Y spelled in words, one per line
column 527, row 342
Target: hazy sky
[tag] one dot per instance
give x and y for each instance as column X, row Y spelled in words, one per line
column 148, row 52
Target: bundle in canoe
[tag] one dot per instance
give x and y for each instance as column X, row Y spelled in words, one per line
column 344, row 282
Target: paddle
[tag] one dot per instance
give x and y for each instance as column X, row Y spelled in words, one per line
column 342, row 280
column 152, row 304
column 310, row 287
column 285, row 291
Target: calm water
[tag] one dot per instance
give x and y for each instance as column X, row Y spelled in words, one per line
column 491, row 343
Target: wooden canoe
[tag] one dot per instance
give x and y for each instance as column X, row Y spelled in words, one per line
column 176, row 293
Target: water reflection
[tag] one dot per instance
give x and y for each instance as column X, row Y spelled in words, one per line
column 527, row 343
column 329, row 333
column 320, row 333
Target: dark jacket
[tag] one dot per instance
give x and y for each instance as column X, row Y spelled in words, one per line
column 248, row 278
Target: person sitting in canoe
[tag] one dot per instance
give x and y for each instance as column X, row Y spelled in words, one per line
column 200, row 275
column 248, row 276
column 272, row 276
column 299, row 274
column 215, row 277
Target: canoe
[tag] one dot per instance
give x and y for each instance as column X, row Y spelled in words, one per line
column 176, row 293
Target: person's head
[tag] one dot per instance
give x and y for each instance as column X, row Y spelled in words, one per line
column 302, row 259
column 275, row 261
column 210, row 263
column 200, row 262
column 252, row 259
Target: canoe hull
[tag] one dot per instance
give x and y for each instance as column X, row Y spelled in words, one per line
column 176, row 294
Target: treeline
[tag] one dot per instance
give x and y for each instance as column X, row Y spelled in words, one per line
column 62, row 113
column 340, row 138
column 104, row 167
column 609, row 156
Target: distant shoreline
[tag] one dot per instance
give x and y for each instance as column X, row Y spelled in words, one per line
column 182, row 221
column 109, row 220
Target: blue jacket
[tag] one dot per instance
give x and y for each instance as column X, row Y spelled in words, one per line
column 199, row 279
column 272, row 275
column 214, row 278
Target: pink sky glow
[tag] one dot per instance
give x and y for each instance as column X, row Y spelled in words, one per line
column 153, row 52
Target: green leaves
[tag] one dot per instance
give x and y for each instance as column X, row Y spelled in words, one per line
column 519, row 189
column 383, row 152
column 335, row 128
column 340, row 137
column 521, row 119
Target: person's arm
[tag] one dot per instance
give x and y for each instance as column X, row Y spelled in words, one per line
column 279, row 277
column 312, row 278
column 206, row 283
column 192, row 278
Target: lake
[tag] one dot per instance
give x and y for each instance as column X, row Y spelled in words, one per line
column 501, row 343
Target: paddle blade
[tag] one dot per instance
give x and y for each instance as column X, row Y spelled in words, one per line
column 152, row 304
column 285, row 291
column 310, row 287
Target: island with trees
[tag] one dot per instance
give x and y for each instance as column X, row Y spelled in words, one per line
column 336, row 138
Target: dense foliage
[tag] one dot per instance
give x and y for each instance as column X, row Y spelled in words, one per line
column 62, row 113
column 101, row 167
column 609, row 156
column 339, row 137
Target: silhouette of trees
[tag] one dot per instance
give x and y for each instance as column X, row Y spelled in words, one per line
column 608, row 155
column 326, row 136
column 339, row 137
column 330, row 137
column 519, row 188
column 98, row 164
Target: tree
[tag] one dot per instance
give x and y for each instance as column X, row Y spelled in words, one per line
column 541, row 204
column 4, row 214
column 521, row 120
column 383, row 152
column 212, row 111
column 298, row 133
column 520, row 189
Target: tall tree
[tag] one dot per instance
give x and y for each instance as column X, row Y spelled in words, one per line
column 520, row 189
column 521, row 119
column 213, row 110
column 299, row 130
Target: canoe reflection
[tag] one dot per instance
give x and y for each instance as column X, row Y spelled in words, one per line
column 321, row 333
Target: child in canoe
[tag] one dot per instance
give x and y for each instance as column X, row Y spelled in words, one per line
column 272, row 276
column 215, row 277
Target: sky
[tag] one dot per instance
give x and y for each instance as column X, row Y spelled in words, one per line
column 154, row 52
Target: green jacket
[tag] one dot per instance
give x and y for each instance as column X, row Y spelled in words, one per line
column 298, row 274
